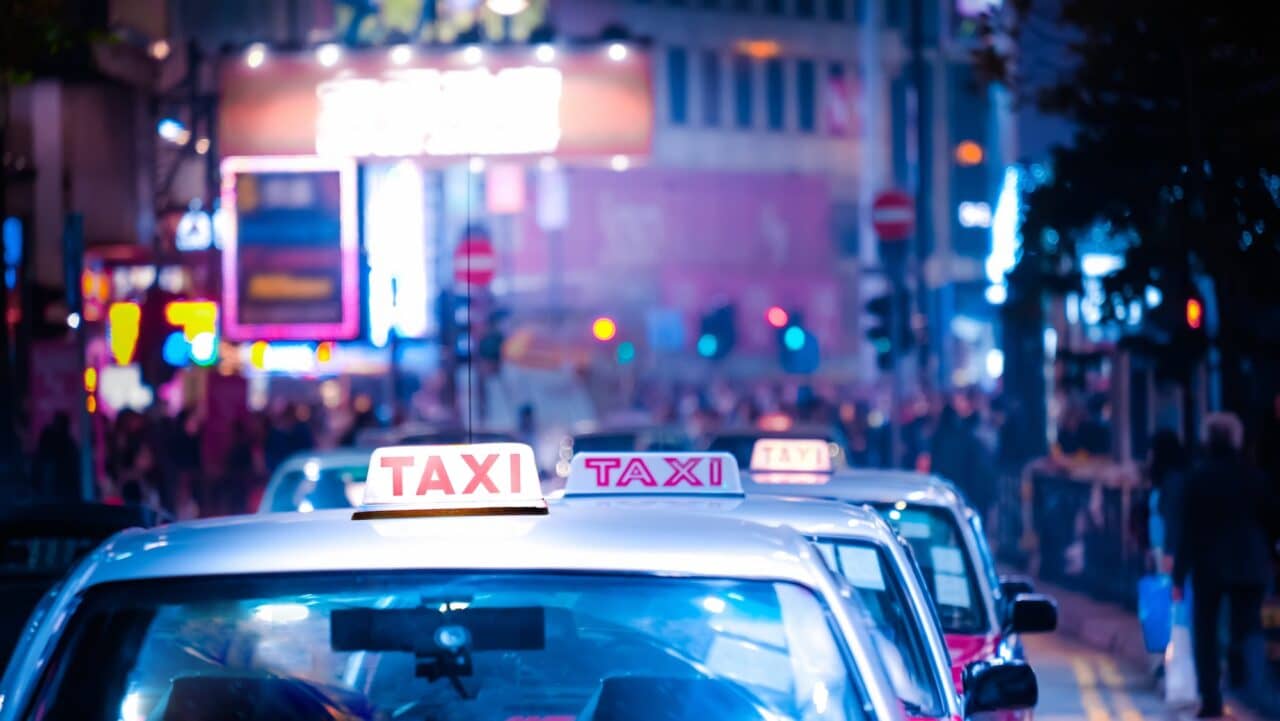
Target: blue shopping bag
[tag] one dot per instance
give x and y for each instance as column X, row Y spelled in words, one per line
column 1155, row 610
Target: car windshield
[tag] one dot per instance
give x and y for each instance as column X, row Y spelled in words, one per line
column 337, row 487
column 417, row 646
column 896, row 629
column 944, row 560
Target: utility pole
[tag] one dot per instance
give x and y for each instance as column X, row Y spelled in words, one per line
column 73, row 266
column 923, row 174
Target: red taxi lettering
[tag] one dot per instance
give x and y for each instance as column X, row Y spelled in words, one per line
column 682, row 471
column 397, row 464
column 435, row 477
column 480, row 473
column 636, row 470
column 515, row 472
column 602, row 466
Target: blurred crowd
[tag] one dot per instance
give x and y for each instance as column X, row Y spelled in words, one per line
column 164, row 460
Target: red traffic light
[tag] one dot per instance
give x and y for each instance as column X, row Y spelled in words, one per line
column 1195, row 314
column 776, row 316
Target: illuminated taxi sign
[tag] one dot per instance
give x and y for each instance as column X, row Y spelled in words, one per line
column 474, row 479
column 800, row 455
column 708, row 474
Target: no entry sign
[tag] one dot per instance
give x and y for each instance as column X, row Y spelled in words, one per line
column 893, row 215
column 474, row 262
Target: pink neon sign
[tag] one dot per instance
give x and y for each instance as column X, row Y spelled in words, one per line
column 290, row 258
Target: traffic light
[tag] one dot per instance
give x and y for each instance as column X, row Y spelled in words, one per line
column 884, row 311
column 1195, row 313
column 161, row 345
column 462, row 327
column 453, row 313
column 797, row 346
column 717, row 333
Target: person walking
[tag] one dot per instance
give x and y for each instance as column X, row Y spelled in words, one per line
column 1222, row 547
column 958, row 455
column 1166, row 471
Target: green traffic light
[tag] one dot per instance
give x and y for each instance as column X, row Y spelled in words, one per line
column 626, row 352
column 707, row 345
column 793, row 338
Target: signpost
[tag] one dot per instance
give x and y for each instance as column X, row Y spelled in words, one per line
column 474, row 262
column 893, row 217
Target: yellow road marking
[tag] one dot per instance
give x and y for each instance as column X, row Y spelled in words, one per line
column 1114, row 681
column 1090, row 699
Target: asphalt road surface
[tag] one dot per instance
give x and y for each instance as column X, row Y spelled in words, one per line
column 1078, row 683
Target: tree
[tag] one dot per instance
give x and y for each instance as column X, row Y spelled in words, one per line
column 1175, row 155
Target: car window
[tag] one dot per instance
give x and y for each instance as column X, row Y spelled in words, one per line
column 945, row 561
column 988, row 561
column 897, row 630
column 417, row 646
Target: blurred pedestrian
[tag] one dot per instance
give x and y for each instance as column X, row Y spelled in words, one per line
column 57, row 461
column 145, row 479
column 1166, row 469
column 1222, row 547
column 957, row 455
column 288, row 434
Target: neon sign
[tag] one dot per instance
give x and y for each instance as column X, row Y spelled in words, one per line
column 441, row 112
column 290, row 253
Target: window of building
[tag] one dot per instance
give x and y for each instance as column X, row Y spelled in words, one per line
column 773, row 7
column 678, row 84
column 775, row 94
column 836, row 10
column 743, row 92
column 806, row 96
column 805, row 8
column 711, row 87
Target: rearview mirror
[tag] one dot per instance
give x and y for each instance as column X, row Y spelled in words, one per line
column 1013, row 586
column 999, row 685
column 1033, row 613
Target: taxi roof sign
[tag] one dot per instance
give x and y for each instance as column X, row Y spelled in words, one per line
column 653, row 474
column 452, row 480
column 791, row 455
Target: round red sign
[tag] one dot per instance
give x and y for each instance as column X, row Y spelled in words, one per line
column 893, row 215
column 474, row 262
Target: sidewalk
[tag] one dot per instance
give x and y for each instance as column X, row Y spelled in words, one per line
column 1112, row 630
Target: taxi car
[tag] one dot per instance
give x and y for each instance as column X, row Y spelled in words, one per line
column 315, row 480
column 452, row 592
column 741, row 442
column 981, row 613
column 856, row 543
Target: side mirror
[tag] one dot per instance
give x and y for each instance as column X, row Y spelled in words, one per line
column 1032, row 613
column 1013, row 586
column 999, row 685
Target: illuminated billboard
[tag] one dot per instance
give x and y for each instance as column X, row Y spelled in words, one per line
column 413, row 102
column 290, row 258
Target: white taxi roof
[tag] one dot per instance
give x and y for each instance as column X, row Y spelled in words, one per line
column 569, row 539
column 859, row 485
